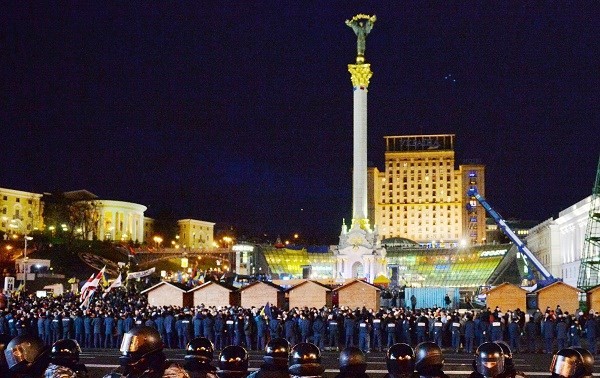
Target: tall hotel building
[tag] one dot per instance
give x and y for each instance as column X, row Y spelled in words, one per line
column 421, row 196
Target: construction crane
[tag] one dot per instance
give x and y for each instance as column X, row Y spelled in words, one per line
column 589, row 270
column 547, row 278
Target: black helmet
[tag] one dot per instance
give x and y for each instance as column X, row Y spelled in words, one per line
column 4, row 340
column 65, row 352
column 199, row 349
column 305, row 353
column 429, row 359
column 509, row 364
column 305, row 360
column 27, row 353
column 566, row 363
column 234, row 359
column 141, row 348
column 277, row 351
column 587, row 359
column 400, row 359
column 489, row 359
column 353, row 360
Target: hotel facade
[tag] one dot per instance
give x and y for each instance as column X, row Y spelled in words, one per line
column 420, row 194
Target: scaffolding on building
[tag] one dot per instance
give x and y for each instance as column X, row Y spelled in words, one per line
column 589, row 270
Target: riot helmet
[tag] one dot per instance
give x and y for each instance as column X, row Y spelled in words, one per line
column 200, row 350
column 353, row 360
column 141, row 349
column 27, row 354
column 429, row 359
column 277, row 352
column 305, row 360
column 567, row 363
column 489, row 359
column 4, row 340
column 400, row 359
column 587, row 359
column 233, row 361
column 65, row 352
column 509, row 363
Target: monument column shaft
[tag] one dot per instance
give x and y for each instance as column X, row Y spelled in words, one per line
column 359, row 173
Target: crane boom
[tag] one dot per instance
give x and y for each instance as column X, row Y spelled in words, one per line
column 512, row 236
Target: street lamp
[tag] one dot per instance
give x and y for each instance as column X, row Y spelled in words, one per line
column 27, row 238
column 157, row 239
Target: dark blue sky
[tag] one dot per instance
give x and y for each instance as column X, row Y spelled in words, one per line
column 241, row 112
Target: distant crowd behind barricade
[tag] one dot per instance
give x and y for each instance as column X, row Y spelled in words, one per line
column 106, row 318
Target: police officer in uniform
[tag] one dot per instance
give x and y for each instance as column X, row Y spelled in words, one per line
column 437, row 331
column 377, row 333
column 469, row 329
column 422, row 326
column 198, row 357
column 275, row 360
column 64, row 360
column 489, row 361
column 332, row 332
column 349, row 325
column 562, row 331
column 364, row 332
column 531, row 335
column 455, row 329
column 390, row 328
column 575, row 334
column 496, row 330
column 407, row 326
column 142, row 356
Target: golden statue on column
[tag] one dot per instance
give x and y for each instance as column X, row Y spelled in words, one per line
column 362, row 25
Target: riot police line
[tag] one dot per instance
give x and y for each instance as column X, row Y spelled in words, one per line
column 142, row 356
column 104, row 323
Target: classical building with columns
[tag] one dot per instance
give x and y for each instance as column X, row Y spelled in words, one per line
column 558, row 243
column 120, row 220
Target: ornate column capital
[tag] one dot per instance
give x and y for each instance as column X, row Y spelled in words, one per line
column 361, row 74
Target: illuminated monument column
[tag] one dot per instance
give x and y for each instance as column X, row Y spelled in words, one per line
column 359, row 254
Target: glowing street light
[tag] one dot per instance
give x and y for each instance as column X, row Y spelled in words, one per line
column 157, row 239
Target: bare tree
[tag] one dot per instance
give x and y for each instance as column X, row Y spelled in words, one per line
column 84, row 217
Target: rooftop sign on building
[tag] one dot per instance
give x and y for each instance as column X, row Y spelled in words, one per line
column 419, row 143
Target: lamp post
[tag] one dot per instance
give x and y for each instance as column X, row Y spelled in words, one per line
column 230, row 253
column 27, row 238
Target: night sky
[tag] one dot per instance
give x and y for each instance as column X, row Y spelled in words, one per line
column 240, row 113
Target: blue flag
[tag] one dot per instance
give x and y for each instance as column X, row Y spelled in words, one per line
column 268, row 311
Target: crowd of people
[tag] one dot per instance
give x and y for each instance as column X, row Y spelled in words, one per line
column 113, row 320
column 108, row 318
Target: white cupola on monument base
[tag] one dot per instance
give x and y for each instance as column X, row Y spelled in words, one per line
column 359, row 254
